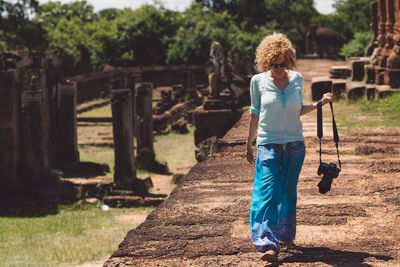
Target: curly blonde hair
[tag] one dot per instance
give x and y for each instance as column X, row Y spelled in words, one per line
column 271, row 48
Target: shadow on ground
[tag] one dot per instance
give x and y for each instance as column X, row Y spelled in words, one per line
column 333, row 257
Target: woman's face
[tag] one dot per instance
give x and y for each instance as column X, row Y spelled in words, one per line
column 278, row 67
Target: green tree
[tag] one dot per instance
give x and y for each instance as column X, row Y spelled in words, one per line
column 291, row 17
column 65, row 31
column 356, row 47
column 143, row 34
column 16, row 30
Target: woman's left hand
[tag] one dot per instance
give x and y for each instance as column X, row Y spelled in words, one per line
column 326, row 98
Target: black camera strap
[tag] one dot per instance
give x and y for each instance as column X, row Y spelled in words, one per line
column 320, row 131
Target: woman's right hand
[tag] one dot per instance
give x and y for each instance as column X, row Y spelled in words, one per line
column 249, row 155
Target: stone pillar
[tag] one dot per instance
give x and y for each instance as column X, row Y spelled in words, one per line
column 35, row 162
column 125, row 168
column 188, row 80
column 67, row 144
column 144, row 125
column 9, row 129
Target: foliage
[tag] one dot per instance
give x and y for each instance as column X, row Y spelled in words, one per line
column 16, row 30
column 153, row 35
column 350, row 17
column 356, row 47
column 197, row 30
column 291, row 17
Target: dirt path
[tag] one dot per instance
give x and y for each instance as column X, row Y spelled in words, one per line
column 205, row 221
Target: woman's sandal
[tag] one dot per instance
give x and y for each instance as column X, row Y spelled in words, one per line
column 270, row 255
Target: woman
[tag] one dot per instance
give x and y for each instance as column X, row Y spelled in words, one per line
column 276, row 106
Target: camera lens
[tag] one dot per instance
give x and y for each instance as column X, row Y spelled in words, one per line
column 325, row 184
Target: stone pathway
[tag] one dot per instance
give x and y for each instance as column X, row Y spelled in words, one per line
column 205, row 220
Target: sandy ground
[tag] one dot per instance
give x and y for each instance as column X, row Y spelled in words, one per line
column 205, row 221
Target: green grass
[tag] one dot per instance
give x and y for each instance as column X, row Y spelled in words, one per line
column 176, row 149
column 72, row 236
column 75, row 235
column 97, row 154
column 365, row 113
column 104, row 111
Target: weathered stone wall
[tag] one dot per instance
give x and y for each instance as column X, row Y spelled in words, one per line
column 30, row 84
column 385, row 43
column 98, row 84
column 9, row 127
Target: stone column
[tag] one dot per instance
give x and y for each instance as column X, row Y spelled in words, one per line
column 135, row 78
column 125, row 169
column 67, row 144
column 144, row 125
column 9, row 129
column 35, row 162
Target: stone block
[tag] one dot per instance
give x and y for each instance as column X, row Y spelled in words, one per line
column 379, row 75
column 213, row 122
column 392, row 78
column 357, row 66
column 320, row 86
column 339, row 72
column 355, row 90
column 384, row 90
column 369, row 73
column 338, row 88
column 370, row 92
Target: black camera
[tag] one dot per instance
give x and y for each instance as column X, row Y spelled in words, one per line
column 329, row 172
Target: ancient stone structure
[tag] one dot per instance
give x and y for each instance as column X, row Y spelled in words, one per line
column 34, row 156
column 320, row 86
column 232, row 74
column 339, row 72
column 385, row 44
column 66, row 124
column 322, row 41
column 10, row 146
column 146, row 158
column 125, row 168
column 38, row 122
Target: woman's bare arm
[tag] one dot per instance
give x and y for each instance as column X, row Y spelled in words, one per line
column 253, row 124
column 308, row 108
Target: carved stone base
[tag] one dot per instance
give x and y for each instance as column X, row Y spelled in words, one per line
column 370, row 92
column 379, row 75
column 383, row 91
column 338, row 88
column 213, row 122
column 392, row 78
column 369, row 74
column 355, row 90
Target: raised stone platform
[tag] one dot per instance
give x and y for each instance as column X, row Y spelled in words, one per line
column 205, row 222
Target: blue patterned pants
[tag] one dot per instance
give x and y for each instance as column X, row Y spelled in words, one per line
column 273, row 203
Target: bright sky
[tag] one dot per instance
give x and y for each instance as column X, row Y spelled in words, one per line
column 323, row 6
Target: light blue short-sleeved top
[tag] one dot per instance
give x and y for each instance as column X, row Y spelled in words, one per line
column 279, row 111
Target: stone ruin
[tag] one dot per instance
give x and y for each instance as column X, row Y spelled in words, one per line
column 38, row 122
column 229, row 80
column 38, row 126
column 384, row 48
column 380, row 68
